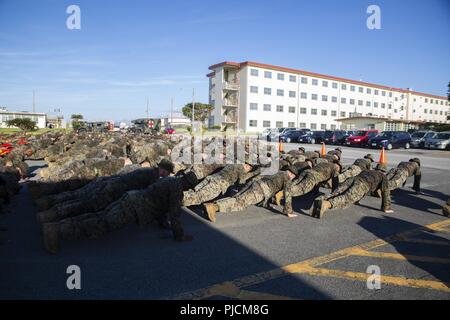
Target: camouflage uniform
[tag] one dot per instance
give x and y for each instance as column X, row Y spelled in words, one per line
column 355, row 169
column 100, row 194
column 397, row 177
column 257, row 192
column 446, row 208
column 160, row 202
column 213, row 186
column 356, row 188
column 312, row 178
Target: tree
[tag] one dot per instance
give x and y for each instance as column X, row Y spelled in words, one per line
column 76, row 120
column 201, row 111
column 24, row 124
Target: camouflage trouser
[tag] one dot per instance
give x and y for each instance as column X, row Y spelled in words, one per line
column 207, row 190
column 46, row 188
column 348, row 193
column 398, row 179
column 252, row 195
column 130, row 208
column 304, row 186
column 349, row 172
column 99, row 198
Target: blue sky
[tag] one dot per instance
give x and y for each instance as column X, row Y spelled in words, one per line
column 128, row 50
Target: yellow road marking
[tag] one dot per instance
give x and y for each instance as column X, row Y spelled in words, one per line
column 397, row 281
column 397, row 256
column 233, row 288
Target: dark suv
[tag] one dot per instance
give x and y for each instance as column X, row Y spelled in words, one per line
column 312, row 137
column 291, row 136
column 391, row 139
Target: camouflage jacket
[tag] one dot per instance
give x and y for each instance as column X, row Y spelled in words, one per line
column 377, row 180
column 364, row 164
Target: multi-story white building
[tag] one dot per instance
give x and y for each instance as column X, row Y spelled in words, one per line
column 254, row 96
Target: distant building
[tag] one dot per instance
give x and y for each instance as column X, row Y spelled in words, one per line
column 174, row 120
column 55, row 122
column 381, row 124
column 254, row 96
column 39, row 118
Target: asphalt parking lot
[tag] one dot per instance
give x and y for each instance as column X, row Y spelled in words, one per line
column 255, row 254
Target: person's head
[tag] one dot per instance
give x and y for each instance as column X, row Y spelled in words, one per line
column 338, row 149
column 165, row 168
column 283, row 164
column 416, row 160
column 338, row 166
column 369, row 156
column 292, row 172
column 381, row 167
column 189, row 180
column 301, row 149
column 248, row 167
column 29, row 152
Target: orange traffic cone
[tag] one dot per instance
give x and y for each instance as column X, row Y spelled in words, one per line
column 382, row 157
column 280, row 147
column 323, row 151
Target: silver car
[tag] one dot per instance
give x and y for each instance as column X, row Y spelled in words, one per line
column 440, row 140
column 418, row 138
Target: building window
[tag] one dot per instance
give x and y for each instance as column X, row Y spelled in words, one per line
column 292, row 94
column 292, row 78
column 303, row 95
column 324, row 112
column 343, row 100
column 383, row 93
column 333, row 127
column 361, row 89
column 268, row 91
column 375, row 104
column 291, row 109
column 343, row 114
column 314, row 112
column 324, row 98
column 253, row 106
column 302, row 110
column 314, row 96
column 302, row 125
column 253, row 123
column 334, row 85
column 383, row 105
column 279, row 124
column 389, row 106
column 280, row 92
column 291, row 124
column 352, row 101
column 333, row 113
column 254, row 89
column 360, row 102
column 268, row 74
column 325, row 84
column 280, row 76
column 390, row 94
column 323, row 127
column 315, row 82
column 304, row 80
column 254, row 72
column 313, row 126
column 267, row 107
column 426, row 100
column 266, row 124
column 333, row 99
column 369, row 91
column 280, row 108
column 343, row 86
column 375, row 92
column 352, row 88
column 367, row 103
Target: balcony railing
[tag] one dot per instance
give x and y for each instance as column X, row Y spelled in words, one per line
column 231, row 85
column 230, row 102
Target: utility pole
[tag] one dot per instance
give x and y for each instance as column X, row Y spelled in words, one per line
column 147, row 108
column 34, row 102
column 193, row 109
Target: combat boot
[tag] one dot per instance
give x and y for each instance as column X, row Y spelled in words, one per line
column 211, row 208
column 278, row 197
column 50, row 235
column 47, row 216
column 319, row 208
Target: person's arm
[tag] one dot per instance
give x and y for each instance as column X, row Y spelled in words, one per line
column 175, row 198
column 287, row 210
column 385, row 195
column 249, row 175
column 417, row 178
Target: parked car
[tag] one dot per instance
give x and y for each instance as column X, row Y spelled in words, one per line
column 418, row 138
column 312, row 137
column 275, row 134
column 339, row 137
column 169, row 130
column 391, row 139
column 440, row 140
column 361, row 138
column 291, row 135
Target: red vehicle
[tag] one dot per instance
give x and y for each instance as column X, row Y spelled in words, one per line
column 361, row 138
column 170, row 130
column 5, row 148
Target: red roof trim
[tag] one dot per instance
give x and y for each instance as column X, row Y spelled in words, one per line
column 318, row 75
